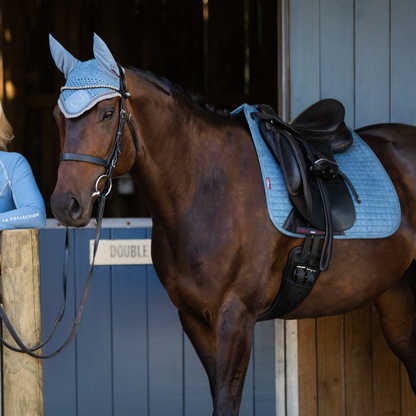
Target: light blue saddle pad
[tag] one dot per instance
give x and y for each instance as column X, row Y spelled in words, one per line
column 378, row 214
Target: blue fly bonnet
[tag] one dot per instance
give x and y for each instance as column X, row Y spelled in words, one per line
column 88, row 82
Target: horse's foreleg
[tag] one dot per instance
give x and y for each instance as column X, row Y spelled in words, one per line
column 203, row 340
column 397, row 310
column 235, row 329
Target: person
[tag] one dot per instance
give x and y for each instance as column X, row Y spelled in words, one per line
column 21, row 203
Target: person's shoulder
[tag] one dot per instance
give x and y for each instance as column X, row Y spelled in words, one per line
column 11, row 156
column 14, row 163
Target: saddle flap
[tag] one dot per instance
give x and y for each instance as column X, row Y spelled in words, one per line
column 286, row 155
column 289, row 156
column 301, row 174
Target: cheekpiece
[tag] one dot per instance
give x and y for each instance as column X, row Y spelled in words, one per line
column 85, row 87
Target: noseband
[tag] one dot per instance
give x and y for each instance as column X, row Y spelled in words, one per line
column 112, row 160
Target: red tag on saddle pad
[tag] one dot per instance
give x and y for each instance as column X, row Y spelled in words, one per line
column 269, row 185
column 308, row 231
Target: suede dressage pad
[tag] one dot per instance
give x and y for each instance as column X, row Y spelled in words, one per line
column 377, row 216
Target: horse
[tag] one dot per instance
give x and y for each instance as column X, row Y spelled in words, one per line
column 214, row 247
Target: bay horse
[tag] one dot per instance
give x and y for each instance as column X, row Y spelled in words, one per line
column 214, row 247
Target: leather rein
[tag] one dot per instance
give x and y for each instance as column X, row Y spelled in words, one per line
column 110, row 165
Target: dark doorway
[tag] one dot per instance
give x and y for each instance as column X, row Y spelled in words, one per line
column 221, row 50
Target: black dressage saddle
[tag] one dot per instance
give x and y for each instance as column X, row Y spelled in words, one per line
column 322, row 203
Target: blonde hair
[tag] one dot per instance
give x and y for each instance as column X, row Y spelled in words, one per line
column 6, row 130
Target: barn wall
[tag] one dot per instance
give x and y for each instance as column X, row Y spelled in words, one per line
column 362, row 53
column 131, row 356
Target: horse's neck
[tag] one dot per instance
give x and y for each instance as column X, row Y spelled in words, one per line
column 183, row 157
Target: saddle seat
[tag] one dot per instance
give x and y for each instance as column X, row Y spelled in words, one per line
column 324, row 119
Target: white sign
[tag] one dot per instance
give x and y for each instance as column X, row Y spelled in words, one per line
column 116, row 252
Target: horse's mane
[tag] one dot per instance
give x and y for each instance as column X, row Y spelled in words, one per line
column 185, row 98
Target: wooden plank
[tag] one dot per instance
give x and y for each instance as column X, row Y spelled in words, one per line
column 304, row 55
column 403, row 62
column 22, row 374
column 372, row 62
column 129, row 332
column 264, row 369
column 151, row 19
column 386, row 374
column 308, row 393
column 93, row 342
column 358, row 363
column 183, row 55
column 165, row 357
column 330, row 352
column 226, row 48
column 337, row 53
column 292, row 377
column 407, row 396
column 59, row 373
column 280, row 366
column 110, row 25
column 263, row 51
column 283, row 60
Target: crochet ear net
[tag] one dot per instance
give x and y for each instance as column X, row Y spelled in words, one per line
column 63, row 59
column 104, row 58
column 87, row 82
column 67, row 63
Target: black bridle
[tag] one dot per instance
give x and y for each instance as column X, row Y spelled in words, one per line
column 110, row 165
column 112, row 160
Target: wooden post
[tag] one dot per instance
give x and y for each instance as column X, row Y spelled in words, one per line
column 22, row 374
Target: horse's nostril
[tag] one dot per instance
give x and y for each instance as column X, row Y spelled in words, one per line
column 75, row 208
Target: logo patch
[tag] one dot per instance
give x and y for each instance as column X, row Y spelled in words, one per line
column 77, row 101
column 269, row 185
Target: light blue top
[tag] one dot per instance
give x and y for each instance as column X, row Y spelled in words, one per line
column 21, row 203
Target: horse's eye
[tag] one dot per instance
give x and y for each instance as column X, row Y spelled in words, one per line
column 108, row 115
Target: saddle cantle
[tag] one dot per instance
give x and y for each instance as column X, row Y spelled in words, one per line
column 325, row 119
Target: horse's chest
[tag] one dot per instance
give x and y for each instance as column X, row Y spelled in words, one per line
column 190, row 285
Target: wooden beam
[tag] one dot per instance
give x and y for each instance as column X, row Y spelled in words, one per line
column 22, row 375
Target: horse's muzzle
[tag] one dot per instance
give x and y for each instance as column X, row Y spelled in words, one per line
column 69, row 210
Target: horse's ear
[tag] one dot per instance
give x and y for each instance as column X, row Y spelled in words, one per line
column 63, row 59
column 104, row 58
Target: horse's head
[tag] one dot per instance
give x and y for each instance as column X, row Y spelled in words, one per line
column 90, row 116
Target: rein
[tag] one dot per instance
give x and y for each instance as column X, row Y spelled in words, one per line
column 110, row 165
